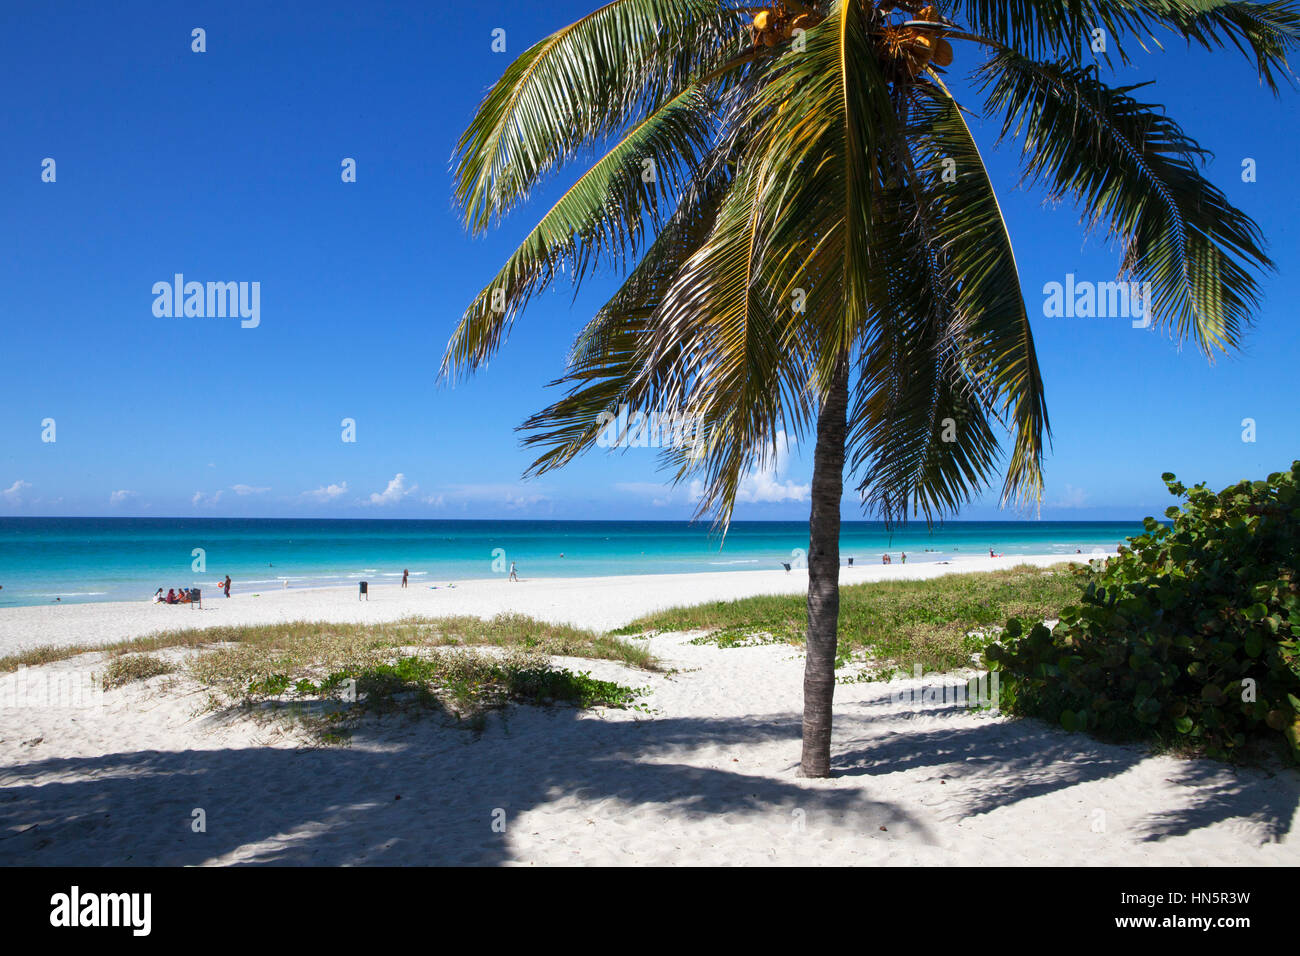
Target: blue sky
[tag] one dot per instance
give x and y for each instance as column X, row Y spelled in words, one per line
column 225, row 166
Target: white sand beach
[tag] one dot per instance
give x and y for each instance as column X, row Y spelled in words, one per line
column 704, row 775
column 600, row 603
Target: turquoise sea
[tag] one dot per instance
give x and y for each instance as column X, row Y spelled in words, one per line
column 116, row 559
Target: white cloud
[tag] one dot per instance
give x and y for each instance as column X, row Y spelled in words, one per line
column 764, row 483
column 14, row 493
column 248, row 490
column 660, row 495
column 516, row 502
column 120, row 497
column 765, row 486
column 1071, row 497
column 397, row 490
column 327, row 492
column 204, row 499
column 514, row 496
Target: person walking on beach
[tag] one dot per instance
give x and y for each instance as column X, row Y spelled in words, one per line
column 225, row 585
column 905, row 557
column 405, row 574
column 514, row 576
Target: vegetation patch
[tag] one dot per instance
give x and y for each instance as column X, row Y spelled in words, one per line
column 305, row 637
column 463, row 684
column 939, row 623
column 729, row 637
column 1188, row 638
column 129, row 668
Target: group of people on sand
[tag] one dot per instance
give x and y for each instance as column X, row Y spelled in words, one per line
column 187, row 595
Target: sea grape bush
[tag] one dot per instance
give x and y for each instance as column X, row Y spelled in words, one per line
column 1191, row 633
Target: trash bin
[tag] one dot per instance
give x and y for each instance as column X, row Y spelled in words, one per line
column 196, row 598
column 365, row 591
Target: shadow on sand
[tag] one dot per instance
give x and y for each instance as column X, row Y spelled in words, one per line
column 312, row 804
column 427, row 794
column 1011, row 761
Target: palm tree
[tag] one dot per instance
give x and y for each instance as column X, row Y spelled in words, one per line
column 809, row 239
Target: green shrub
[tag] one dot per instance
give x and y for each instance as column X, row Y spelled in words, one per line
column 1189, row 634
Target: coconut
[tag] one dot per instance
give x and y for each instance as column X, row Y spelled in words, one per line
column 763, row 20
column 943, row 53
column 928, row 13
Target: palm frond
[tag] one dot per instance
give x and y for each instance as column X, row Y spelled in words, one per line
column 1049, row 29
column 958, row 352
column 826, row 117
column 732, row 374
column 583, row 82
column 604, row 213
column 1134, row 169
column 1265, row 32
column 603, row 362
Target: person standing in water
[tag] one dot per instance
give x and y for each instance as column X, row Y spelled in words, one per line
column 405, row 573
column 225, row 585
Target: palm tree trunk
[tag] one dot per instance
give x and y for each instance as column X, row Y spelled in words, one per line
column 824, row 577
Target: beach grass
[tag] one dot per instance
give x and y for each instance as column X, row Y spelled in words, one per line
column 306, row 640
column 324, row 677
column 892, row 625
column 128, row 668
column 329, row 695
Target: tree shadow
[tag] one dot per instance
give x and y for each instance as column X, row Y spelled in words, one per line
column 426, row 793
column 1002, row 762
column 1257, row 801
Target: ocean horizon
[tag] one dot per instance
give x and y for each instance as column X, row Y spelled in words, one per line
column 78, row 560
